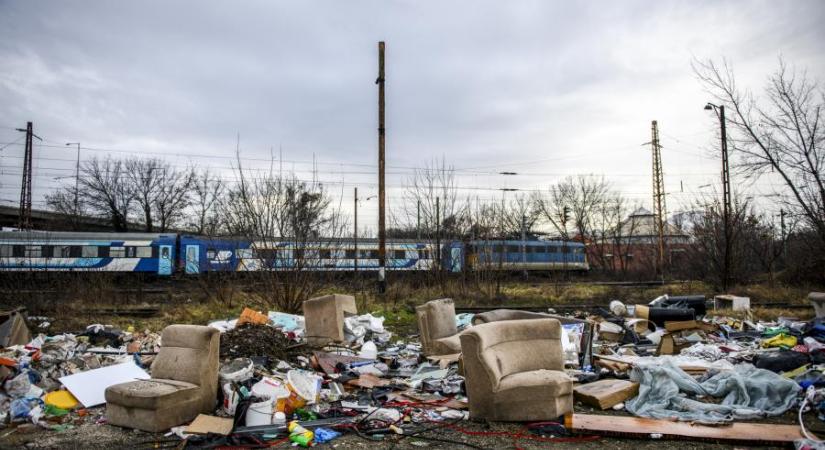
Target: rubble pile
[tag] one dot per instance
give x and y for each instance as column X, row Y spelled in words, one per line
column 672, row 359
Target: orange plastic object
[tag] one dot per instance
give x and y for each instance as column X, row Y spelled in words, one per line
column 251, row 316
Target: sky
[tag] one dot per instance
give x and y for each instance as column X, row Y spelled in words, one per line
column 545, row 89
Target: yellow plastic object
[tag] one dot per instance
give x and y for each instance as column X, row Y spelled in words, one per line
column 61, row 399
column 780, row 340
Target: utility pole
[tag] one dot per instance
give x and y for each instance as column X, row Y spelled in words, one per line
column 782, row 215
column 25, row 219
column 382, row 232
column 524, row 245
column 658, row 196
column 438, row 233
column 720, row 110
column 725, row 197
column 355, row 234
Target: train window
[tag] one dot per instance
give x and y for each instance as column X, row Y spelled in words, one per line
column 541, row 249
column 552, row 249
column 364, row 254
column 211, row 253
column 130, row 252
column 528, row 249
column 143, row 252
column 89, row 251
column 497, row 249
column 5, row 251
column 47, row 251
column 325, row 254
column 513, row 249
column 299, row 253
column 117, row 252
column 18, row 251
column 75, row 251
column 245, row 253
column 565, row 249
column 578, row 250
column 349, row 254
column 33, row 251
column 374, row 254
column 103, row 251
column 399, row 254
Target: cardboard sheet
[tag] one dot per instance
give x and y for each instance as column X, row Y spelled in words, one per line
column 89, row 387
column 205, row 424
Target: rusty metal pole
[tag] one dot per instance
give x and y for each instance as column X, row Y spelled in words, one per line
column 382, row 232
column 355, row 234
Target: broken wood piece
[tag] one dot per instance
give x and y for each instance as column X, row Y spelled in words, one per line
column 205, row 424
column 642, row 427
column 368, row 381
column 681, row 325
column 605, row 394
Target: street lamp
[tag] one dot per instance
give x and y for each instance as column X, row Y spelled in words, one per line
column 76, row 177
column 720, row 113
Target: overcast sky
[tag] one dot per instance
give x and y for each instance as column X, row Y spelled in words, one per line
column 542, row 88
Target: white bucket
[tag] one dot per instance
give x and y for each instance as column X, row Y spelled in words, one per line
column 260, row 413
column 230, row 399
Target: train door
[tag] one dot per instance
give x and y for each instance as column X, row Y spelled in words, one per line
column 165, row 260
column 193, row 259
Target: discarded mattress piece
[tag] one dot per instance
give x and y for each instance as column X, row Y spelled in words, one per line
column 746, row 392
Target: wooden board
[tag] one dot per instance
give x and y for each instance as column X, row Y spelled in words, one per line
column 681, row 325
column 205, row 424
column 605, row 394
column 641, row 427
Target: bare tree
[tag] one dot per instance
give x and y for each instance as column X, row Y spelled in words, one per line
column 143, row 179
column 576, row 198
column 207, row 189
column 105, row 192
column 281, row 216
column 782, row 132
column 173, row 195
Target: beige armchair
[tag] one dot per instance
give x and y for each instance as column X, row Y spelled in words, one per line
column 436, row 324
column 184, row 382
column 514, row 371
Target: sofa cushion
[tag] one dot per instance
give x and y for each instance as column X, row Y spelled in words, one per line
column 151, row 394
column 441, row 318
column 535, row 384
column 447, row 346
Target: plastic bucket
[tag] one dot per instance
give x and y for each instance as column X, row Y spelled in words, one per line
column 260, row 413
column 269, row 387
column 237, row 370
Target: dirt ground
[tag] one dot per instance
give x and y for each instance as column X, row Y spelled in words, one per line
column 101, row 436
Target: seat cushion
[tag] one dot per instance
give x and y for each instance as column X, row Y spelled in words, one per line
column 151, row 394
column 533, row 385
column 447, row 346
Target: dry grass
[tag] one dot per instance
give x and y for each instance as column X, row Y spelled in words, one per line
column 75, row 311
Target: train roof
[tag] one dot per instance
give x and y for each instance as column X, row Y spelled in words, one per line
column 78, row 235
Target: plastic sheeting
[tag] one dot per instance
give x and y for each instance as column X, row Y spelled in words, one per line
column 746, row 392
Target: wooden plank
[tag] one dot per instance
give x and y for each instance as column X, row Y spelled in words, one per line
column 205, row 424
column 681, row 325
column 605, row 394
column 641, row 427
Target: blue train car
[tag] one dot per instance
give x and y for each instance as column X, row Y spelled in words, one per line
column 527, row 255
column 104, row 252
column 200, row 254
column 203, row 254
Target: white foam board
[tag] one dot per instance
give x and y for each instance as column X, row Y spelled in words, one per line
column 89, row 387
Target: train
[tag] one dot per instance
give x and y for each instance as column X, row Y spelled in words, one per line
column 167, row 254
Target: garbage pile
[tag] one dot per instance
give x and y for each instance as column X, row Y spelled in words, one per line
column 313, row 378
column 34, row 373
